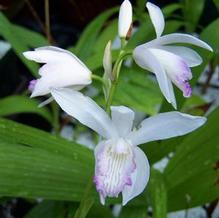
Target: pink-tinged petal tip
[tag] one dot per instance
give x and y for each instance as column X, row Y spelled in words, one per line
column 32, row 84
column 114, row 167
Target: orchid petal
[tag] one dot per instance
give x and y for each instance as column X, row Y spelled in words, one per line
column 145, row 59
column 165, row 125
column 191, row 57
column 114, row 165
column 139, row 177
column 85, row 110
column 181, row 38
column 122, row 118
column 55, row 75
column 176, row 69
column 125, row 18
column 51, row 54
column 157, row 18
column 61, row 69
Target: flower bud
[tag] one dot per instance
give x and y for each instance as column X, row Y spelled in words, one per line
column 107, row 61
column 107, row 65
column 125, row 19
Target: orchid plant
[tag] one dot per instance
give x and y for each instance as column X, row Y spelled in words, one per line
column 120, row 165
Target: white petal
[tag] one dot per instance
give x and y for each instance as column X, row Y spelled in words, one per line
column 139, row 177
column 51, row 54
column 176, row 69
column 191, row 57
column 58, row 75
column 145, row 59
column 122, row 118
column 85, row 110
column 157, row 18
column 181, row 38
column 62, row 69
column 125, row 18
column 164, row 126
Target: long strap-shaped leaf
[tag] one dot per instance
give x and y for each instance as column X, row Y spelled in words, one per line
column 36, row 164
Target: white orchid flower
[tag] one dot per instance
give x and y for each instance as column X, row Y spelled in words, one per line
column 61, row 69
column 125, row 18
column 169, row 62
column 121, row 166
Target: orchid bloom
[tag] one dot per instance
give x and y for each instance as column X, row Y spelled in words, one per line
column 125, row 18
column 121, row 166
column 169, row 62
column 61, row 69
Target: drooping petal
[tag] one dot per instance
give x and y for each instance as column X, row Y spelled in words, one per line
column 85, row 110
column 191, row 57
column 139, row 177
column 125, row 18
column 176, row 69
column 145, row 59
column 61, row 69
column 164, row 126
column 113, row 168
column 157, row 18
column 180, row 38
column 47, row 54
column 122, row 118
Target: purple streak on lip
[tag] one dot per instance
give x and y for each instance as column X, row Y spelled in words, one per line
column 102, row 173
column 32, row 84
column 187, row 91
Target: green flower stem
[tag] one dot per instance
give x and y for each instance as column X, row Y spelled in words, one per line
column 98, row 78
column 116, row 71
column 55, row 111
column 86, row 202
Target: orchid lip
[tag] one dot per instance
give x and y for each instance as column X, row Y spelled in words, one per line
column 114, row 165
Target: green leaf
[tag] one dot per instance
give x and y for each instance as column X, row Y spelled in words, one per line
column 133, row 90
column 210, row 34
column 96, row 60
column 191, row 176
column 158, row 194
column 216, row 2
column 134, row 212
column 22, row 104
column 100, row 212
column 170, row 9
column 35, row 164
column 7, row 31
column 47, row 209
column 29, row 37
column 109, row 33
column 158, row 149
column 85, row 45
column 192, row 10
column 86, row 202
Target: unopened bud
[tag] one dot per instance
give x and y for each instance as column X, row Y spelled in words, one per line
column 125, row 19
column 107, row 61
